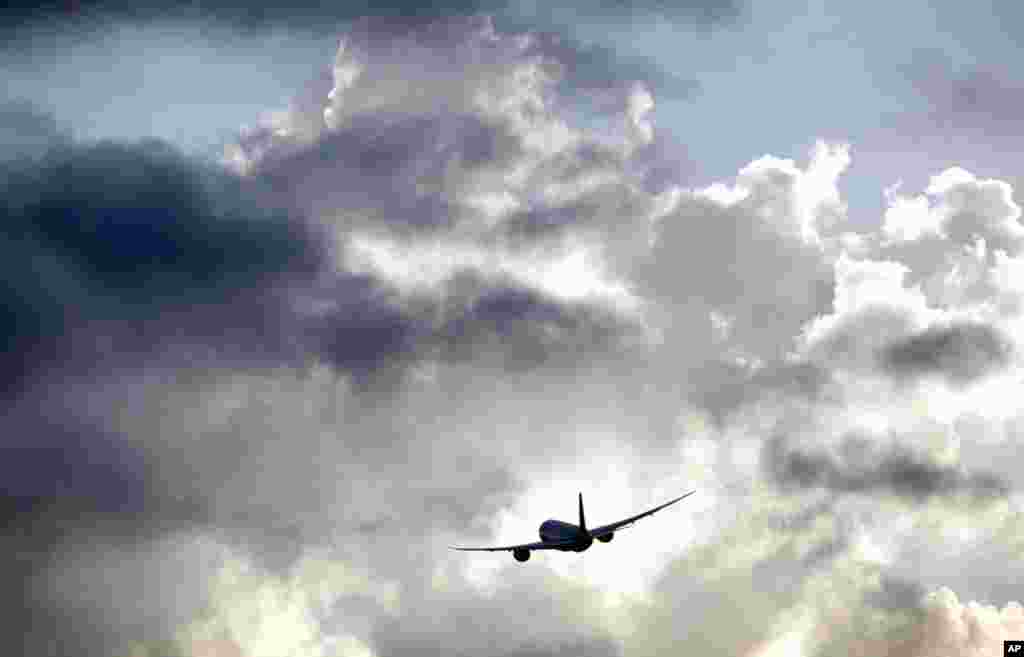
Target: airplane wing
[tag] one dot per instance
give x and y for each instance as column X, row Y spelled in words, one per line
column 605, row 529
column 543, row 545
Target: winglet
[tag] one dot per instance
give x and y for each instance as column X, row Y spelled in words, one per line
column 583, row 520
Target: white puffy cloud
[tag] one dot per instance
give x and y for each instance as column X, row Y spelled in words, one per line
column 749, row 252
column 958, row 240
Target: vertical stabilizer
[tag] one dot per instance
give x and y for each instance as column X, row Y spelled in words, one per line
column 583, row 520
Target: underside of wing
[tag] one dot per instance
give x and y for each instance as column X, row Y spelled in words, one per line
column 606, row 529
column 541, row 545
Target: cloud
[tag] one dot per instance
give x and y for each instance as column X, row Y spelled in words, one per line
column 768, row 558
column 109, row 232
column 265, row 614
column 24, row 18
column 592, row 68
column 966, row 629
column 810, row 575
column 702, row 13
column 533, row 330
column 942, row 625
column 759, row 238
column 961, row 352
column 154, row 252
column 406, row 315
column 727, row 387
column 859, row 464
column 79, row 504
column 975, row 100
column 527, row 614
column 966, row 210
column 26, row 132
column 470, row 138
column 306, row 16
column 375, row 337
column 872, row 308
column 156, row 236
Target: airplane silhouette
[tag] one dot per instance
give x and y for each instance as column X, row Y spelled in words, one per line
column 567, row 537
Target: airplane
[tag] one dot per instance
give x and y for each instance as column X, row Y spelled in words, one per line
column 567, row 537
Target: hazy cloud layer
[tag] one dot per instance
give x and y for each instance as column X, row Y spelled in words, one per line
column 436, row 296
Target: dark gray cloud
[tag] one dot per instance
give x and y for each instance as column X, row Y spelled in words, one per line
column 376, row 336
column 368, row 332
column 26, row 19
column 116, row 251
column 855, row 340
column 111, row 232
column 861, row 465
column 23, row 17
column 961, row 352
column 526, row 329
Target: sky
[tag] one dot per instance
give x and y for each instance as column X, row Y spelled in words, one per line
column 297, row 296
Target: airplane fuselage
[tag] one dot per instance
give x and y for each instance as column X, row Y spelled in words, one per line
column 567, row 537
column 556, row 530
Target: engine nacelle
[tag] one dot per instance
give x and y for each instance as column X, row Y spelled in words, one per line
column 521, row 554
column 606, row 538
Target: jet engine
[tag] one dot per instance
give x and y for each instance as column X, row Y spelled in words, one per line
column 521, row 554
column 606, row 538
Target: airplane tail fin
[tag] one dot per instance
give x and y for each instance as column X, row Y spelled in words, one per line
column 583, row 520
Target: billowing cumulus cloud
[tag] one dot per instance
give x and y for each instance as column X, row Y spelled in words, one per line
column 967, row 210
column 450, row 286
